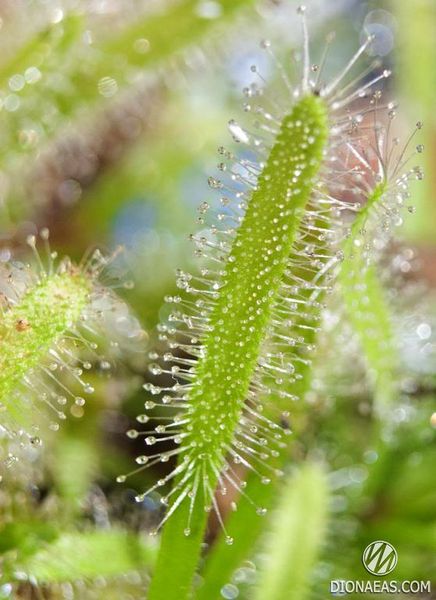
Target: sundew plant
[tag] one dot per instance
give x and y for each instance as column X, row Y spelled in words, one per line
column 216, row 381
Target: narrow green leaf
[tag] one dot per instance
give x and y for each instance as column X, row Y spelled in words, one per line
column 297, row 534
column 95, row 72
column 245, row 527
column 367, row 307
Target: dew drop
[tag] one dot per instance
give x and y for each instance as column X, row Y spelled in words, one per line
column 32, row 75
column 16, row 82
column 107, row 87
column 424, row 331
column 238, row 134
column 209, row 9
column 142, row 418
column 229, row 591
column 141, row 46
column 214, row 183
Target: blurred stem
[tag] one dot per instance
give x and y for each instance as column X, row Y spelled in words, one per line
column 297, row 532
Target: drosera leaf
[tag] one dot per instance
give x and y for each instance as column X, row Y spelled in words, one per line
column 254, row 311
column 31, row 328
column 368, row 310
column 147, row 42
column 88, row 555
column 238, row 324
column 161, row 35
column 31, row 77
column 296, row 536
column 94, row 73
column 48, row 311
column 382, row 190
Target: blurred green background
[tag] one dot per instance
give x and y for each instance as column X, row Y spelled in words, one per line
column 110, row 117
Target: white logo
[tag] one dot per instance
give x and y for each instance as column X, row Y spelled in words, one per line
column 380, row 558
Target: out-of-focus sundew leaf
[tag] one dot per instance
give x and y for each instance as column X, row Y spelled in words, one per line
column 162, row 35
column 368, row 310
column 55, row 38
column 417, row 78
column 88, row 555
column 42, row 100
column 31, row 87
column 111, row 63
column 93, row 70
column 246, row 528
column 297, row 533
